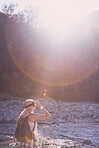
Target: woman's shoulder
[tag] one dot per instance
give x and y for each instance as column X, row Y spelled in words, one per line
column 31, row 117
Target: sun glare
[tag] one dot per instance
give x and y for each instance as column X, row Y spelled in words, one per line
column 60, row 14
column 60, row 52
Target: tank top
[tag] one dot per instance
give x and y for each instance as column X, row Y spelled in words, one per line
column 31, row 124
column 27, row 145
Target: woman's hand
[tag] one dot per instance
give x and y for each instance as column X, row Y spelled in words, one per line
column 46, row 114
column 37, row 103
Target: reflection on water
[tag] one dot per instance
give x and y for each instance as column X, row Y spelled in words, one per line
column 73, row 121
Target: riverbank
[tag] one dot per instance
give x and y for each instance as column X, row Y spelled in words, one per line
column 73, row 125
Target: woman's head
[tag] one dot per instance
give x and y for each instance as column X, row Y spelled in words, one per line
column 29, row 104
column 29, row 107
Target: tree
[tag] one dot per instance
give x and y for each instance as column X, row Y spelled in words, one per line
column 9, row 9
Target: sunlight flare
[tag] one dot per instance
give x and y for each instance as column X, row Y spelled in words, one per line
column 62, row 52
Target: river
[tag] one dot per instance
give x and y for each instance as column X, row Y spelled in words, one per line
column 72, row 125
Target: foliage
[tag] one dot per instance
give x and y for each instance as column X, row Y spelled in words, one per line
column 9, row 9
column 29, row 15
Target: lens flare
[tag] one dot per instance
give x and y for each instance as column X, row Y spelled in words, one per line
column 44, row 94
column 65, row 62
column 32, row 142
column 45, row 90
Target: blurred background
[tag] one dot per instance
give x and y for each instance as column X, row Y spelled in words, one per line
column 50, row 48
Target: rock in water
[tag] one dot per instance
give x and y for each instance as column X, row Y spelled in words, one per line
column 88, row 142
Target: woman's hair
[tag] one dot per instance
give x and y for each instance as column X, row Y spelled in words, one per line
column 28, row 102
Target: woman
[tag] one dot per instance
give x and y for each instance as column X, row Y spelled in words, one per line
column 30, row 106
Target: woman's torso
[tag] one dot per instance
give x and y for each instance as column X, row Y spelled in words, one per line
column 31, row 124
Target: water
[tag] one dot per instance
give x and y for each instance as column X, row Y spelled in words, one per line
column 71, row 124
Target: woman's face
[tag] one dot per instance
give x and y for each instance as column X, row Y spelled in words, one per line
column 32, row 108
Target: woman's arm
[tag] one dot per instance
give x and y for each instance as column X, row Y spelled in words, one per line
column 46, row 114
